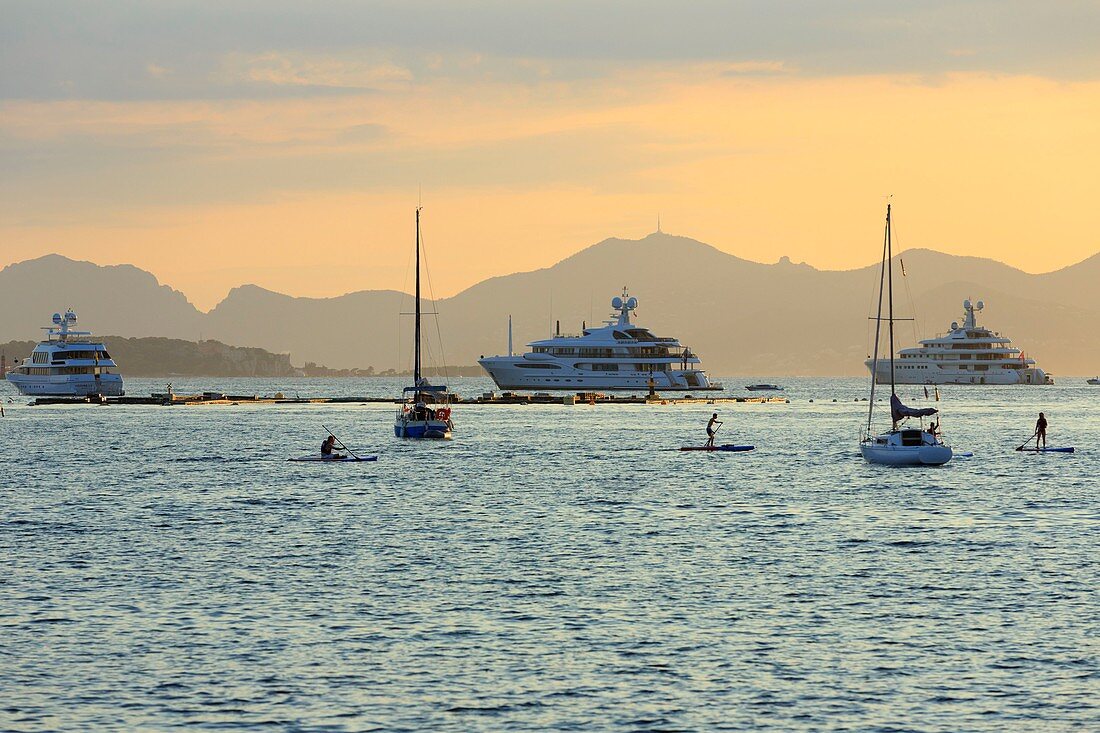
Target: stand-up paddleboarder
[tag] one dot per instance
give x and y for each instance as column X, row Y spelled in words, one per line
column 712, row 427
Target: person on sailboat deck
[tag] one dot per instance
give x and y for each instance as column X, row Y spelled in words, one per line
column 1041, row 430
column 712, row 428
column 326, row 447
column 933, row 428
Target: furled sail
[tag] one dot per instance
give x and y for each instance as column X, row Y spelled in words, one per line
column 899, row 411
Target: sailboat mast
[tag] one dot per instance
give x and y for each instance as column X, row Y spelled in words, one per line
column 890, row 281
column 878, row 319
column 416, row 353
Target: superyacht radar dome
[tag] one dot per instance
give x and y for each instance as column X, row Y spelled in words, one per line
column 616, row 302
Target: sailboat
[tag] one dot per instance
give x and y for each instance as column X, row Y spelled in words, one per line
column 425, row 411
column 904, row 446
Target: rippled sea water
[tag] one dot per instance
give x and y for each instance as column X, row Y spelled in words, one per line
column 552, row 568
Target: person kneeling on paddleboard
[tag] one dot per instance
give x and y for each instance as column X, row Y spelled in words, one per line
column 712, row 427
column 326, row 447
column 1041, row 430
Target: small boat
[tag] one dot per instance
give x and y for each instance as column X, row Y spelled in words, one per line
column 1094, row 381
column 425, row 412
column 763, row 387
column 333, row 459
column 1044, row 450
column 727, row 447
column 904, row 447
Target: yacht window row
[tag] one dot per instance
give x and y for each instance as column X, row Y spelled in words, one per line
column 1011, row 354
column 601, row 367
column 54, row 371
column 44, row 357
column 66, row 355
column 602, row 352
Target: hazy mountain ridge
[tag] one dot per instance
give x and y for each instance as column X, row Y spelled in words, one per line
column 742, row 317
column 120, row 298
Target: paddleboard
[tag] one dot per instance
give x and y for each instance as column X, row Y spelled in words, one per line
column 341, row 459
column 727, row 447
column 1045, row 450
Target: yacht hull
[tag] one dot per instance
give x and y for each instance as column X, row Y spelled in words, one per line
column 930, row 373
column 423, row 429
column 517, row 373
column 67, row 385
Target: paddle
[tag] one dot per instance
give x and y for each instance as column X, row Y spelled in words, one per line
column 349, row 450
column 1034, row 435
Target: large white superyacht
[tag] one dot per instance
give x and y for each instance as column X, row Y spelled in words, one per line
column 67, row 364
column 616, row 356
column 967, row 354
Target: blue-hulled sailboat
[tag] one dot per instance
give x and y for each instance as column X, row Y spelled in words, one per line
column 425, row 409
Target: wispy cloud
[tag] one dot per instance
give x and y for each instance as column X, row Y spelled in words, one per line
column 756, row 67
column 228, row 50
column 157, row 71
column 353, row 71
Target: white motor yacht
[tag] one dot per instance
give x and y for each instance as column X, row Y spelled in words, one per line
column 967, row 354
column 68, row 363
column 616, row 356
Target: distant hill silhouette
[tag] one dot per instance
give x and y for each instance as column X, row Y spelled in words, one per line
column 115, row 298
column 742, row 317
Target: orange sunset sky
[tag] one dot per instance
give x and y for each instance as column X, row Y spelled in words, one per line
column 284, row 144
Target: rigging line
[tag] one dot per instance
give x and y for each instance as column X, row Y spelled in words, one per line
column 908, row 290
column 878, row 320
column 870, row 306
column 435, row 308
column 890, row 283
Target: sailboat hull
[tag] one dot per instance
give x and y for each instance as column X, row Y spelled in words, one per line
column 906, row 455
column 423, row 429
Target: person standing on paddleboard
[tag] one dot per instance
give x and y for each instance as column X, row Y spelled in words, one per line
column 712, row 427
column 1041, row 430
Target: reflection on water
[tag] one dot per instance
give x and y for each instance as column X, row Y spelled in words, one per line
column 551, row 568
